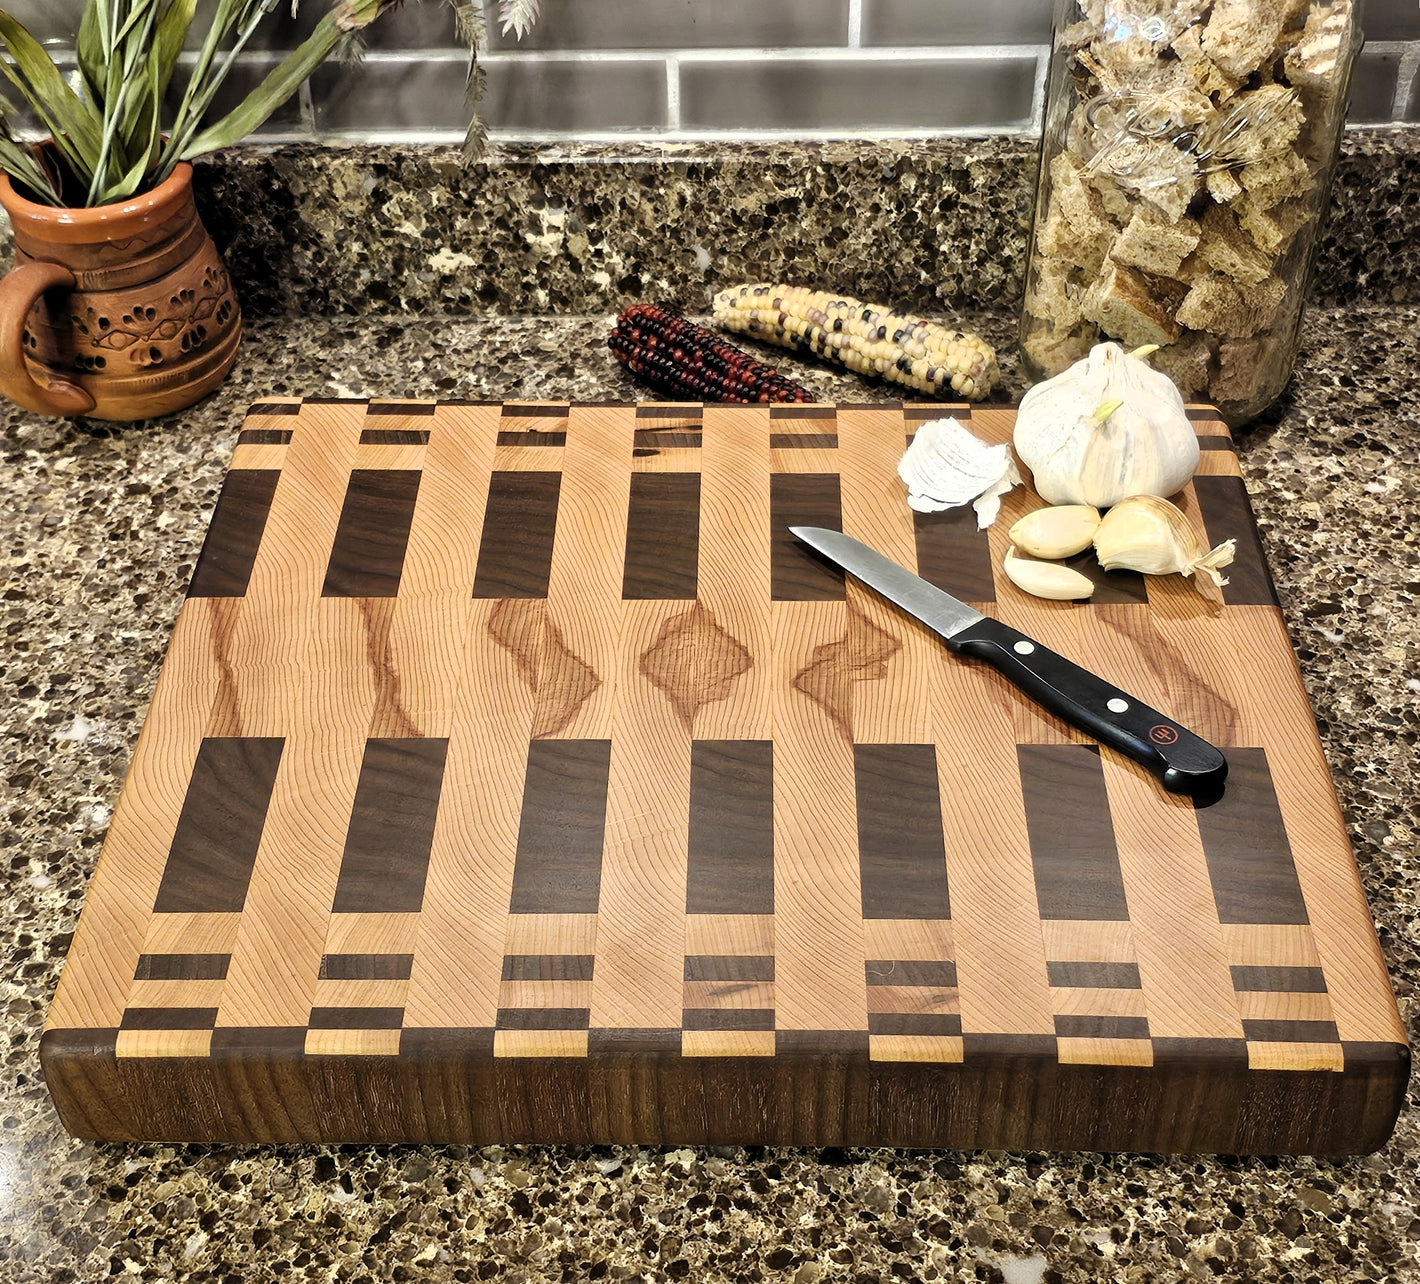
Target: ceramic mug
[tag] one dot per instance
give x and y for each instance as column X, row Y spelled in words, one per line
column 120, row 311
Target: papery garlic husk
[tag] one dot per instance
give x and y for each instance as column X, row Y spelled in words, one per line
column 1046, row 579
column 1144, row 446
column 946, row 466
column 1150, row 535
column 1060, row 531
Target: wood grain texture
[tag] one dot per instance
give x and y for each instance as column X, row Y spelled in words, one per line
column 513, row 776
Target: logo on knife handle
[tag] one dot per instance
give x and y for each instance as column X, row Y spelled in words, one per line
column 1163, row 734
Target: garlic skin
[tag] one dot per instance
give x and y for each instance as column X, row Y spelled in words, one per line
column 1144, row 446
column 1148, row 534
column 1046, row 579
column 1061, row 531
column 947, row 466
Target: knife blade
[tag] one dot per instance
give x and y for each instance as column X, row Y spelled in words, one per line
column 1185, row 763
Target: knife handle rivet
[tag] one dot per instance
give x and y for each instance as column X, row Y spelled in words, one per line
column 1117, row 705
column 1023, row 647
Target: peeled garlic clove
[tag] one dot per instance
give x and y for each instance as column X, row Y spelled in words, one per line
column 946, row 466
column 1046, row 579
column 1148, row 534
column 1061, row 531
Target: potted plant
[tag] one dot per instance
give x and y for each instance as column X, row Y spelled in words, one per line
column 118, row 306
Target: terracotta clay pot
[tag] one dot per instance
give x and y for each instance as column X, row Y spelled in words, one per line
column 122, row 311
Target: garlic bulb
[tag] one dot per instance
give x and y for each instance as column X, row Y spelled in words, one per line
column 1149, row 534
column 1107, row 428
column 946, row 466
column 1061, row 531
column 1046, row 579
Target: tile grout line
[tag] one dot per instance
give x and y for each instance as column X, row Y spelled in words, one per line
column 1037, row 102
column 1405, row 77
column 673, row 93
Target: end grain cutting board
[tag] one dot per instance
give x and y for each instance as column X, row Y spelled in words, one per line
column 515, row 776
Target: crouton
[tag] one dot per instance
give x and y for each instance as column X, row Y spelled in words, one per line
column 1220, row 305
column 1153, row 243
column 1226, row 248
column 1130, row 308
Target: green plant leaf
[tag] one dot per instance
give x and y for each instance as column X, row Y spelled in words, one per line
column 75, row 124
column 93, row 62
column 172, row 31
column 285, row 79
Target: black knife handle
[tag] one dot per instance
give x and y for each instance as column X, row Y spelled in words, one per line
column 1184, row 763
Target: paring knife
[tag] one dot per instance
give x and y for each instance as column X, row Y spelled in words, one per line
column 1184, row 763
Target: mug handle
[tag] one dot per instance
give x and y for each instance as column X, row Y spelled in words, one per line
column 19, row 292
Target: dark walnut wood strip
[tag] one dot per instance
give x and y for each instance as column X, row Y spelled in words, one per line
column 936, row 1024
column 515, row 553
column 229, row 551
column 548, row 967
column 781, row 411
column 1227, row 514
column 662, row 537
column 356, row 1018
column 954, row 555
column 1101, row 1027
column 182, row 967
column 168, row 1018
column 731, row 841
column 1245, row 844
column 386, row 858
column 366, row 967
column 536, row 412
column 394, row 436
column 729, row 967
column 264, row 437
column 663, row 410
column 274, row 408
column 803, row 441
column 559, row 858
column 368, row 555
column 404, row 409
column 901, row 855
column 1260, row 1031
column 796, row 573
column 531, row 437
column 728, row 1019
column 1289, row 980
column 544, row 1018
column 1094, row 976
column 648, row 441
column 214, row 845
column 242, row 1043
column 1077, row 874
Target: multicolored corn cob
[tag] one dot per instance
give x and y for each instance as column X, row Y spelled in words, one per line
column 865, row 337
column 681, row 359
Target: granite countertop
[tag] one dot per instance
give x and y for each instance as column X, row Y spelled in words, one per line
column 101, row 526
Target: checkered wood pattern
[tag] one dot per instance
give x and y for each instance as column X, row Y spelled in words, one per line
column 514, row 735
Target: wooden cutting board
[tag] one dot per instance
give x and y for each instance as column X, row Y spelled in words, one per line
column 514, row 776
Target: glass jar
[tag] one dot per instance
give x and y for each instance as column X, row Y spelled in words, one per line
column 1185, row 172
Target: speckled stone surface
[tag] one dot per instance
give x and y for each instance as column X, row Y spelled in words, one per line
column 100, row 530
column 926, row 225
column 371, row 230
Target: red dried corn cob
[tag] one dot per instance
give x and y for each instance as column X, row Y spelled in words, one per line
column 681, row 359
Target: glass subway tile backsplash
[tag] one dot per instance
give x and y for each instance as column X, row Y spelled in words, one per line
column 693, row 69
